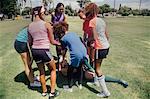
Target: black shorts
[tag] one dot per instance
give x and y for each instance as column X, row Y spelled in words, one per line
column 41, row 55
column 21, row 47
column 101, row 53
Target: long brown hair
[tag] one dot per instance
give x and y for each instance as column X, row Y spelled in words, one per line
column 57, row 6
column 91, row 10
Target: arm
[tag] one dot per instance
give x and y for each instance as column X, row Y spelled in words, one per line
column 29, row 44
column 50, row 34
column 64, row 49
column 30, row 39
column 92, row 25
column 65, row 18
column 52, row 18
column 94, row 33
column 106, row 33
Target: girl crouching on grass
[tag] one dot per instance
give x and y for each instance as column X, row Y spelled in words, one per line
column 40, row 36
column 101, row 43
column 76, row 48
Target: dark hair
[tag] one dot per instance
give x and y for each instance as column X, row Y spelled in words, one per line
column 60, row 29
column 57, row 6
column 37, row 11
column 91, row 10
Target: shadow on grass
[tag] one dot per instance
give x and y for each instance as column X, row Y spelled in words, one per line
column 60, row 81
column 22, row 78
column 2, row 93
column 2, row 96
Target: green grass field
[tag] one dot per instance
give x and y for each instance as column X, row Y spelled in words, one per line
column 128, row 59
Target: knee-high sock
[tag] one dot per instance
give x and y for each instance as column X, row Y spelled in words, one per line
column 103, row 84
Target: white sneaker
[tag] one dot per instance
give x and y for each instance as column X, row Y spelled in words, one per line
column 44, row 94
column 80, row 86
column 66, row 88
column 103, row 95
column 96, row 83
column 35, row 84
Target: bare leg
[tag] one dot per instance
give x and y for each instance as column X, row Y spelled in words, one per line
column 98, row 67
column 28, row 69
column 92, row 54
column 52, row 66
column 42, row 76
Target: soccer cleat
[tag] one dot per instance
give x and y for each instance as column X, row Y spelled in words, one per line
column 53, row 95
column 103, row 95
column 123, row 83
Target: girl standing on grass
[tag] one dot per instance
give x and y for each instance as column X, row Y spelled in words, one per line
column 87, row 36
column 101, row 44
column 21, row 47
column 57, row 17
column 40, row 36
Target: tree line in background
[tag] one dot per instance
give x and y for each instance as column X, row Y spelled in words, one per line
column 10, row 8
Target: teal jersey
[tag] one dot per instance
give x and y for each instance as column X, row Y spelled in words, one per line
column 22, row 36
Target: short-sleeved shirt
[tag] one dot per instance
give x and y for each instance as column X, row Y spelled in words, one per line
column 101, row 41
column 76, row 48
column 22, row 35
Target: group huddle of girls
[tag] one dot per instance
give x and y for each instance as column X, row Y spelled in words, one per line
column 38, row 35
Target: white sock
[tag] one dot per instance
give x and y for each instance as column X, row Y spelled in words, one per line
column 103, row 84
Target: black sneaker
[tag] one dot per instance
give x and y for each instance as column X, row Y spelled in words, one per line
column 123, row 83
column 53, row 95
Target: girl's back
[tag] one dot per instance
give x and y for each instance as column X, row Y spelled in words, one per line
column 39, row 34
column 73, row 42
column 101, row 30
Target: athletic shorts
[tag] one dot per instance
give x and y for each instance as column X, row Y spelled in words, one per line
column 41, row 55
column 101, row 53
column 21, row 47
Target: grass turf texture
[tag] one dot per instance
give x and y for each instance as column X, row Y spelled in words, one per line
column 128, row 59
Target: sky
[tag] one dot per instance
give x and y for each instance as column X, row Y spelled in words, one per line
column 131, row 3
column 134, row 4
